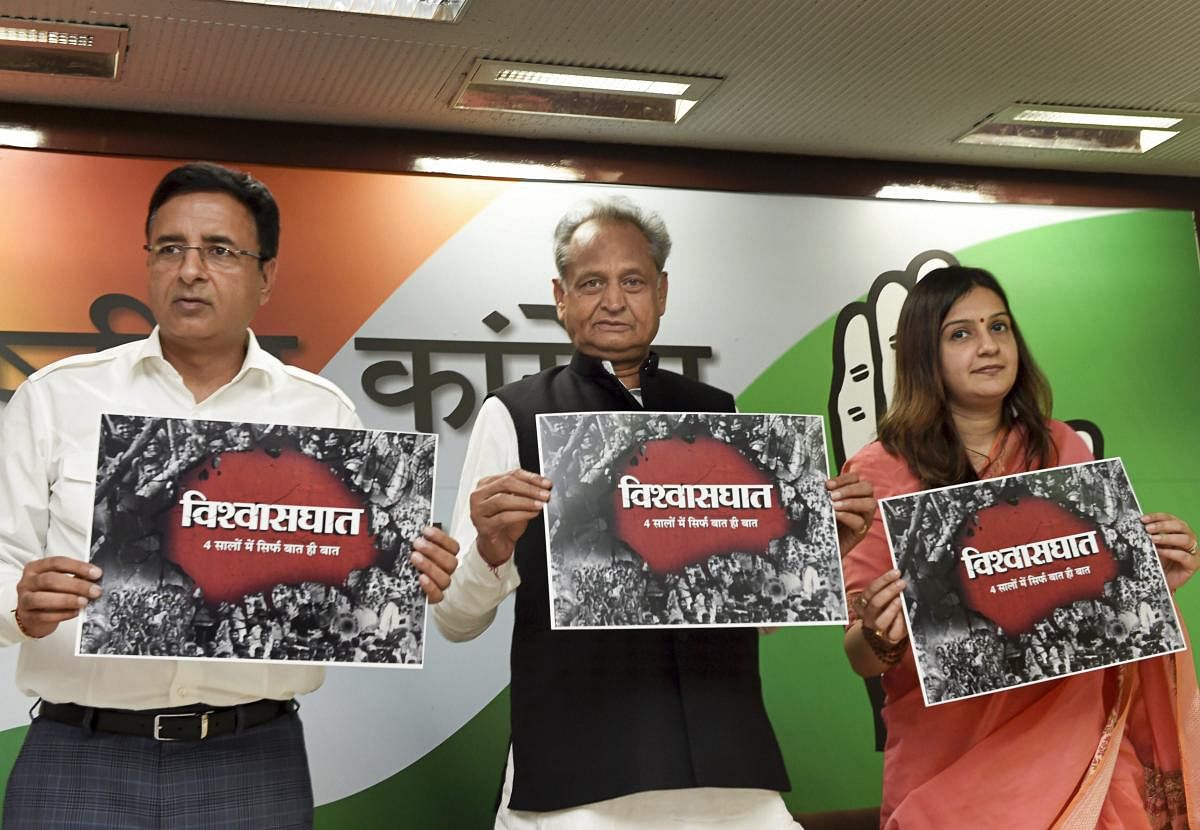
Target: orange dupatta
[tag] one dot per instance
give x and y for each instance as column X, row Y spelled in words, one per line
column 1115, row 748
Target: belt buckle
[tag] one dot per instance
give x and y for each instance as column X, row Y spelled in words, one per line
column 203, row 724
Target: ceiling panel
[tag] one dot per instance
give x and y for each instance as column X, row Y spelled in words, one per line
column 868, row 79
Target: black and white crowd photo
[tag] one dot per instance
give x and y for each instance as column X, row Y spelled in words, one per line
column 207, row 553
column 1016, row 580
column 695, row 519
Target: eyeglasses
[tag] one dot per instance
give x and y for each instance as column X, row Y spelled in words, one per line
column 168, row 255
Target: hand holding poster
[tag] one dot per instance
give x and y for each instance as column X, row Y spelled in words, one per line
column 258, row 542
column 676, row 520
column 1026, row 578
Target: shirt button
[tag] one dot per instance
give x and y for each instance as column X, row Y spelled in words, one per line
column 180, row 691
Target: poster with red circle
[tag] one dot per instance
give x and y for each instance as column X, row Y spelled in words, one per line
column 676, row 520
column 263, row 542
column 1026, row 578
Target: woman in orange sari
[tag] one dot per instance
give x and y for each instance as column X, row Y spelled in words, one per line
column 1111, row 748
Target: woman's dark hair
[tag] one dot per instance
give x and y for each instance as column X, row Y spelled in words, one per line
column 917, row 425
column 206, row 177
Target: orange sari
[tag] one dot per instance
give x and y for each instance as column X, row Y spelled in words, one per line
column 1113, row 748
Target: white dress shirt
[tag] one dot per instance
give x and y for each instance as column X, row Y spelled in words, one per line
column 49, row 437
column 469, row 608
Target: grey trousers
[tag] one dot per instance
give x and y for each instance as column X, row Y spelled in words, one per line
column 66, row 778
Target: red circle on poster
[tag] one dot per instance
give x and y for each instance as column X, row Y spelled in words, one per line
column 696, row 532
column 292, row 478
column 1019, row 597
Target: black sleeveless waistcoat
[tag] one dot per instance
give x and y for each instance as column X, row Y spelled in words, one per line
column 601, row 714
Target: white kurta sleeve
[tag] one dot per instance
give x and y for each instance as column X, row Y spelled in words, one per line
column 476, row 588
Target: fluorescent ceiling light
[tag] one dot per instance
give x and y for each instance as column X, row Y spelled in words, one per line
column 1074, row 128
column 20, row 137
column 446, row 11
column 51, row 48
column 522, row 77
column 1068, row 138
column 592, row 93
column 483, row 168
column 50, row 35
column 1098, row 119
column 932, row 193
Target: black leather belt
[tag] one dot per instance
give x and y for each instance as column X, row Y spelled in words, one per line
column 184, row 723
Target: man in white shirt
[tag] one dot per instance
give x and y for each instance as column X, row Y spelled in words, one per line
column 147, row 742
column 611, row 729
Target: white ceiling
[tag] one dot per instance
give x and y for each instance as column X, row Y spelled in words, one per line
column 886, row 79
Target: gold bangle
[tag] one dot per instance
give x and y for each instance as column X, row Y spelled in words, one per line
column 889, row 653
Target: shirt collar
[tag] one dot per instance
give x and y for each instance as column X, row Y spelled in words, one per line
column 636, row 391
column 257, row 358
column 149, row 348
column 593, row 366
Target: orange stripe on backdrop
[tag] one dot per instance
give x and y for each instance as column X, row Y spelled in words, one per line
column 71, row 230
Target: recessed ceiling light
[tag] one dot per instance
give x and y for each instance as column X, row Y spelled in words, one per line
column 20, row 137
column 1042, row 137
column 1075, row 128
column 934, row 193
column 484, row 168
column 591, row 93
column 1099, row 119
column 446, row 11
column 52, row 48
column 522, row 77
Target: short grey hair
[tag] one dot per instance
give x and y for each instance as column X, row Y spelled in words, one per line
column 612, row 209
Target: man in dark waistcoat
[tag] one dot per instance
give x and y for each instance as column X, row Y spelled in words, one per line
column 611, row 728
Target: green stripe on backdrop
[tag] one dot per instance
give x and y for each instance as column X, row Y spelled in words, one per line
column 10, row 745
column 1110, row 308
column 454, row 786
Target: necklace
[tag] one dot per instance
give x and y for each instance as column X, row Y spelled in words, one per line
column 987, row 459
